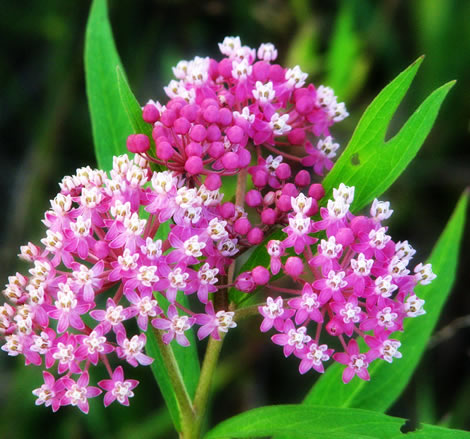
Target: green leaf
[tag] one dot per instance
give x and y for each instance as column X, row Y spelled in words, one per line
column 109, row 120
column 388, row 380
column 186, row 357
column 318, row 422
column 308, row 422
column 343, row 53
column 131, row 105
column 370, row 163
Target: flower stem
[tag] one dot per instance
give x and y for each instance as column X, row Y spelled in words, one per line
column 174, row 374
column 203, row 388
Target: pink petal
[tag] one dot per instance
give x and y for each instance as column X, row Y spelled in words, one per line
column 348, row 375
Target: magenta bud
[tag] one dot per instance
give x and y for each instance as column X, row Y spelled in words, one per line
column 261, row 71
column 294, row 266
column 158, row 131
column 181, row 125
column 242, row 226
column 101, row 249
column 225, row 68
column 290, row 189
column 213, row 133
column 225, row 117
column 168, row 117
column 260, row 178
column 150, row 114
column 302, row 178
column 194, row 165
column 316, row 191
column 213, row 182
column 245, row 282
column 344, row 236
column 230, row 161
column 138, row 143
column 334, row 327
column 260, row 275
column 244, row 157
column 276, row 73
column 216, row 150
column 235, row 134
column 304, row 105
column 190, row 112
column 296, row 136
column 268, row 216
column 313, row 208
column 361, row 224
column 269, row 198
column 227, row 210
column 209, row 102
column 198, row 133
column 176, row 104
column 283, row 171
column 284, row 203
column 253, row 198
column 193, row 148
column 255, row 236
column 211, row 114
column 141, row 143
column 165, row 151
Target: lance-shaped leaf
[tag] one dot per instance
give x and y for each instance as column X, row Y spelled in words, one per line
column 370, row 163
column 109, row 120
column 320, row 422
column 389, row 380
column 131, row 105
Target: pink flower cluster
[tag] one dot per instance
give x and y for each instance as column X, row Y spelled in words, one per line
column 221, row 112
column 355, row 283
column 101, row 265
column 124, row 245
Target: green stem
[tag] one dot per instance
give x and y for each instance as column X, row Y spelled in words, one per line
column 214, row 347
column 174, row 373
column 203, row 388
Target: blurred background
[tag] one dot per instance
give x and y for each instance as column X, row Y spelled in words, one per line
column 357, row 47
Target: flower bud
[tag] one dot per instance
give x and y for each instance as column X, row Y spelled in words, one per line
column 255, row 236
column 150, row 113
column 242, row 226
column 213, row 182
column 302, row 178
column 283, row 171
column 260, row 275
column 138, row 143
column 294, row 266
column 316, row 191
column 296, row 136
column 227, row 210
column 194, row 165
column 230, row 161
column 198, row 133
column 181, row 125
column 268, row 216
column 235, row 134
column 253, row 198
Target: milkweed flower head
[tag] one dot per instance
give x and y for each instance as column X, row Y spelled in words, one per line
column 354, row 282
column 122, row 250
column 223, row 114
column 101, row 265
